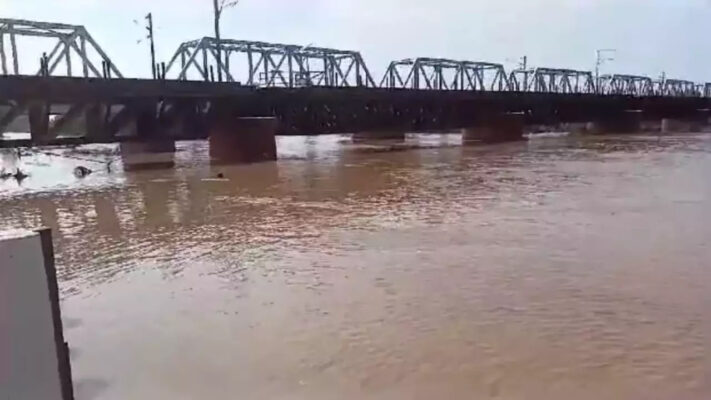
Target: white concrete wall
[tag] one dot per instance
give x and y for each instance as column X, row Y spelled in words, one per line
column 29, row 368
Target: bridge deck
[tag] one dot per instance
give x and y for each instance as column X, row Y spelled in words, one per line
column 312, row 110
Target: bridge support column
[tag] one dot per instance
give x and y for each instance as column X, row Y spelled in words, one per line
column 243, row 140
column 695, row 123
column 38, row 115
column 629, row 122
column 181, row 120
column 379, row 135
column 574, row 128
column 95, row 121
column 150, row 154
column 495, row 129
column 670, row 125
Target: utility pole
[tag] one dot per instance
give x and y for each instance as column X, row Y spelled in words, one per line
column 218, row 14
column 599, row 60
column 524, row 68
column 149, row 28
column 219, row 6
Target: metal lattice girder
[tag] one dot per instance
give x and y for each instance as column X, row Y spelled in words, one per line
column 271, row 64
column 707, row 89
column 677, row 88
column 444, row 74
column 627, row 85
column 554, row 80
column 71, row 40
column 521, row 80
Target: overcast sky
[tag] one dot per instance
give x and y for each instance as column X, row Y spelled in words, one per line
column 650, row 36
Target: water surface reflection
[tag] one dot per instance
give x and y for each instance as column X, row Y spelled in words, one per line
column 550, row 269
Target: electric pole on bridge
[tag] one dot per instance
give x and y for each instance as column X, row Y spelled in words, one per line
column 149, row 28
column 599, row 60
column 219, row 6
column 524, row 67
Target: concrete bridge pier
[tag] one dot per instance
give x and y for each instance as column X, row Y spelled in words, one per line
column 149, row 154
column 95, row 120
column 574, row 128
column 627, row 122
column 182, row 120
column 695, row 123
column 149, row 148
column 38, row 116
column 382, row 134
column 671, row 125
column 89, row 120
column 243, row 140
column 495, row 129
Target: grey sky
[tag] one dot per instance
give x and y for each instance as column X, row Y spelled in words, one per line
column 651, row 36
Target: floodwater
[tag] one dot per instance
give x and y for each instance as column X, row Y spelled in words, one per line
column 556, row 268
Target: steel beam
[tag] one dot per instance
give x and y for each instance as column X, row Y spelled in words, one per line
column 13, row 47
column 445, row 74
column 626, row 85
column 677, row 88
column 3, row 61
column 280, row 65
column 66, row 35
column 556, row 80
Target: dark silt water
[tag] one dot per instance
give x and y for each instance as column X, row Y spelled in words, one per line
column 554, row 268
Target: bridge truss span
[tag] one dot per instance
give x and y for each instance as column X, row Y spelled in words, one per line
column 269, row 64
column 73, row 52
column 563, row 81
column 73, row 44
column 445, row 74
column 627, row 85
column 679, row 88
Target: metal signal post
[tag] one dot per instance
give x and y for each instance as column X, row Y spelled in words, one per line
column 149, row 28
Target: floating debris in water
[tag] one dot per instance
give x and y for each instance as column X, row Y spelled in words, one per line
column 81, row 172
column 19, row 175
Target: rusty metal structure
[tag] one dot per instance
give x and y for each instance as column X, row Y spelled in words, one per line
column 520, row 79
column 262, row 64
column 627, row 85
column 444, row 74
column 72, row 42
column 269, row 64
column 677, row 88
column 74, row 53
column 310, row 90
column 564, row 81
column 707, row 90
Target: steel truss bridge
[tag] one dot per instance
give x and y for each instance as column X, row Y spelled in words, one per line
column 71, row 42
column 270, row 64
column 310, row 89
column 262, row 64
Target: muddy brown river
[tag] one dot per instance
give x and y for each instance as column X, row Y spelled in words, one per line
column 555, row 268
